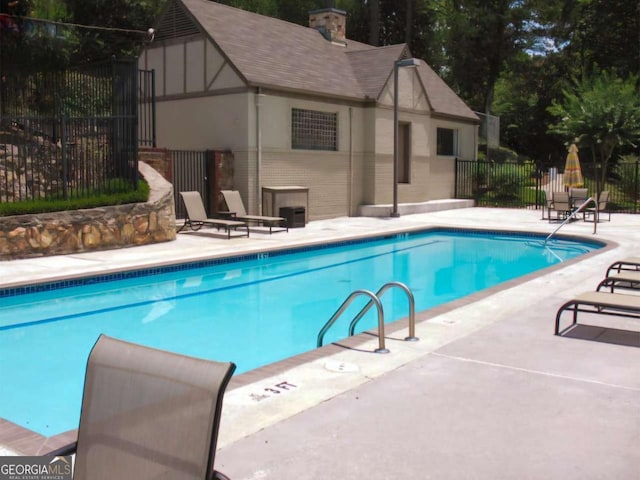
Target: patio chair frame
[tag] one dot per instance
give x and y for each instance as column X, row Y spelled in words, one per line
column 600, row 303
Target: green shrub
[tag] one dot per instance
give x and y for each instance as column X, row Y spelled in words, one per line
column 508, row 180
column 120, row 193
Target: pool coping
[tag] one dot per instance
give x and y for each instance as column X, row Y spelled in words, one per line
column 27, row 442
column 55, row 282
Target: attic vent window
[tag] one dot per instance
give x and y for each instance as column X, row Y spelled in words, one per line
column 175, row 23
column 313, row 130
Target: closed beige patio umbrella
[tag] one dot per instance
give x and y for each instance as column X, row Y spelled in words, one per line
column 572, row 171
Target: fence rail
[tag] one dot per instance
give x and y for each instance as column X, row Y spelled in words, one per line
column 69, row 133
column 513, row 184
column 146, row 108
column 190, row 169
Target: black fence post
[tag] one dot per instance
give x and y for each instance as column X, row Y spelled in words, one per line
column 475, row 184
column 153, row 108
column 635, row 189
column 63, row 151
column 455, row 179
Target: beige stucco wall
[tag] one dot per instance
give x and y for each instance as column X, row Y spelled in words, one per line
column 327, row 174
column 431, row 176
column 189, row 66
column 201, row 102
column 217, row 122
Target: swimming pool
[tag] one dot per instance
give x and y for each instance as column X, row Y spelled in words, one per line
column 253, row 310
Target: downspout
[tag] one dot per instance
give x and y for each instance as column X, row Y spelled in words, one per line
column 350, row 186
column 475, row 143
column 258, row 151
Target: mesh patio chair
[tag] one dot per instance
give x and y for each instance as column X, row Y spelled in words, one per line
column 578, row 196
column 589, row 214
column 148, row 414
column 560, row 207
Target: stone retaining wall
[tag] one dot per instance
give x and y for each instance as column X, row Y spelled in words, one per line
column 104, row 228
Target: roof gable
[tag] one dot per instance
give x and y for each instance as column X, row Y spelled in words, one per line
column 269, row 52
column 441, row 97
column 374, row 66
column 272, row 52
column 175, row 22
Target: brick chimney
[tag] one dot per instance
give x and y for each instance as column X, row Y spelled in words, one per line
column 331, row 22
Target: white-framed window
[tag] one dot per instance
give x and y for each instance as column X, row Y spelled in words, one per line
column 314, row 130
column 447, row 142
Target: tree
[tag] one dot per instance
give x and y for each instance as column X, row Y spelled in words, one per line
column 121, row 27
column 374, row 22
column 601, row 113
column 606, row 35
column 27, row 44
column 523, row 93
column 483, row 36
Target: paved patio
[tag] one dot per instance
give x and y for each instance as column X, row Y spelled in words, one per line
column 487, row 393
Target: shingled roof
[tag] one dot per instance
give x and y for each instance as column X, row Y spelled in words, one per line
column 268, row 52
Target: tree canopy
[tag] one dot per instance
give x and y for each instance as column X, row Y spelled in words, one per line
column 600, row 113
column 512, row 58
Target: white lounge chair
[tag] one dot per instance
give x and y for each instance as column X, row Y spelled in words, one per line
column 237, row 210
column 629, row 263
column 625, row 279
column 600, row 303
column 623, row 274
column 197, row 216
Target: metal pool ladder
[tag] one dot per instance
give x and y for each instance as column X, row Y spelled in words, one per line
column 374, row 300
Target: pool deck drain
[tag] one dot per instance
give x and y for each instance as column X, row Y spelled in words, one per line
column 487, row 392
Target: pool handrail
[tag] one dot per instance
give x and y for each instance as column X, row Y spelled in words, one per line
column 412, row 310
column 381, row 346
column 574, row 213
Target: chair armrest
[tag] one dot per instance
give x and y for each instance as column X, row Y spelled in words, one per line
column 219, row 476
column 69, row 449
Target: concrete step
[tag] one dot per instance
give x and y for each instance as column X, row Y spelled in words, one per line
column 419, row 207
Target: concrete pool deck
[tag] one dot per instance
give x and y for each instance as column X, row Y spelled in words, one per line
column 487, row 392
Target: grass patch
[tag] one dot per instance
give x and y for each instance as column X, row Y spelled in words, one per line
column 118, row 195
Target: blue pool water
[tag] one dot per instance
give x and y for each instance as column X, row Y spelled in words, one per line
column 252, row 311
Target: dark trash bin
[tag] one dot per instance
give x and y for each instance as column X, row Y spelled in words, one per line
column 295, row 216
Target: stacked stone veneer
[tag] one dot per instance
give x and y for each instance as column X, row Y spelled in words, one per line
column 23, row 236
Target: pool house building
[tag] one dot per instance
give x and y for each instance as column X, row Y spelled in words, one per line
column 305, row 106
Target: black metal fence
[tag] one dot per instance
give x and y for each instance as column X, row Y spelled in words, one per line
column 511, row 184
column 146, row 108
column 190, row 174
column 68, row 133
